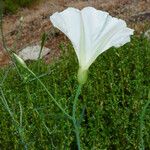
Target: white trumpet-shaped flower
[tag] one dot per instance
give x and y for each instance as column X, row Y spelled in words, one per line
column 91, row 32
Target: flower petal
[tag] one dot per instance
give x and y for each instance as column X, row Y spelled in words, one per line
column 69, row 22
column 94, row 23
column 114, row 34
column 102, row 32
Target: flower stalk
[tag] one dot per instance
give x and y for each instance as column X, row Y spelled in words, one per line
column 75, row 122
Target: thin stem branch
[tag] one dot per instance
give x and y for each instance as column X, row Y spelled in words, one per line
column 54, row 100
column 7, row 106
column 18, row 125
column 2, row 33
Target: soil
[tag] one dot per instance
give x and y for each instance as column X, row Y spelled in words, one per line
column 28, row 24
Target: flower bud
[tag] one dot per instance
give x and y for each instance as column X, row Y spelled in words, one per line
column 19, row 60
column 82, row 76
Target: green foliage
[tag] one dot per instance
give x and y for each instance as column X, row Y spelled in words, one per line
column 13, row 5
column 10, row 6
column 111, row 102
column 24, row 3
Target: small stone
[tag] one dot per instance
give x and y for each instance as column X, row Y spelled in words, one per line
column 147, row 34
column 33, row 52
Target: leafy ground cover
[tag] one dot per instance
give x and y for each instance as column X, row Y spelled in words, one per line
column 111, row 102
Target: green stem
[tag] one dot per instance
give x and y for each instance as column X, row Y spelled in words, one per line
column 7, row 106
column 1, row 30
column 54, row 100
column 75, row 123
column 142, row 147
column 17, row 125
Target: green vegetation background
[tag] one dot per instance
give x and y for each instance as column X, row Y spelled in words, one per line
column 111, row 102
column 11, row 6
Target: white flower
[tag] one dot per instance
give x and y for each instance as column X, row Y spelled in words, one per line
column 91, row 32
